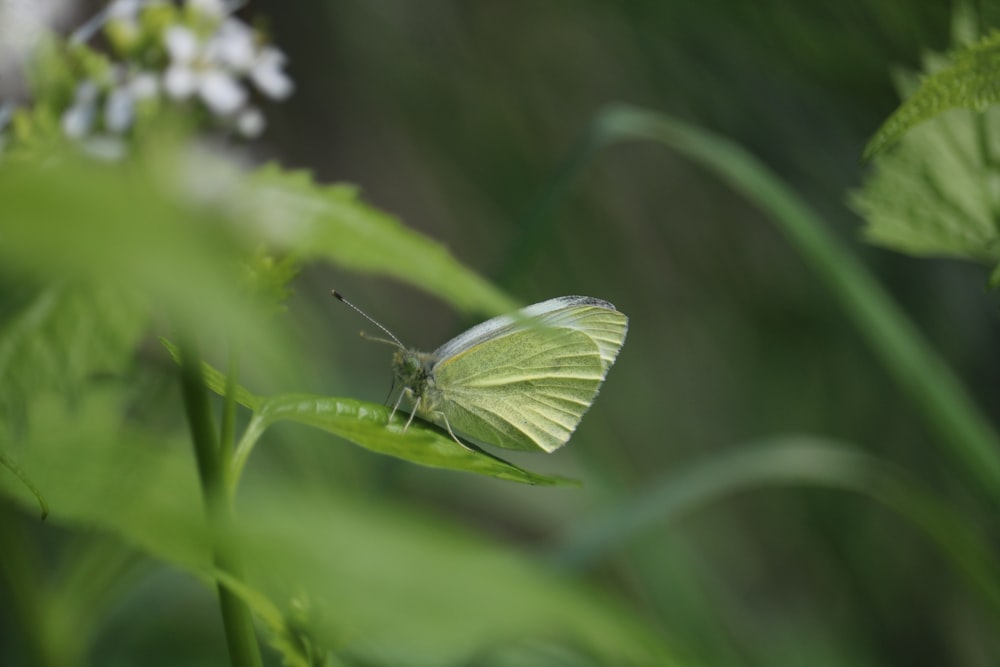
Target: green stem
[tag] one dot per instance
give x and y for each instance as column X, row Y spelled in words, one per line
column 250, row 437
column 236, row 617
column 227, row 433
column 26, row 595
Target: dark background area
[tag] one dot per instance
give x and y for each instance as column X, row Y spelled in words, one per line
column 456, row 117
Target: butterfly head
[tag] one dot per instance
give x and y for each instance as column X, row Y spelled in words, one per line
column 412, row 370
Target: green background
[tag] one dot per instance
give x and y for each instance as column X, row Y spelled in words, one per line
column 460, row 118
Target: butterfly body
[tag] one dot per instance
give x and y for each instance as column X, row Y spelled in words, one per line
column 520, row 381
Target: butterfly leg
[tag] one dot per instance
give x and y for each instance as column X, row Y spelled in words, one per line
column 452, row 433
column 412, row 413
column 399, row 400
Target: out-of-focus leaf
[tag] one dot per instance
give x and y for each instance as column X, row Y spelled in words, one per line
column 791, row 460
column 970, row 81
column 965, row 433
column 330, row 222
column 382, row 582
column 395, row 588
column 14, row 469
column 107, row 227
column 65, row 336
column 215, row 380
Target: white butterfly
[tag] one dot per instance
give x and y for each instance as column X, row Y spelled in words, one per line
column 519, row 381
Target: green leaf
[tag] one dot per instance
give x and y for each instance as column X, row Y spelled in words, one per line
column 365, row 424
column 970, row 81
column 63, row 337
column 330, row 222
column 381, row 582
column 131, row 228
column 8, row 463
column 935, row 195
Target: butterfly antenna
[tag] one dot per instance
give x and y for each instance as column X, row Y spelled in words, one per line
column 365, row 315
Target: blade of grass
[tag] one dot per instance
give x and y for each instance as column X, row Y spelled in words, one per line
column 966, row 436
column 788, row 461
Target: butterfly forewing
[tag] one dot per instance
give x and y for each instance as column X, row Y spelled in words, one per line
column 595, row 317
column 521, row 387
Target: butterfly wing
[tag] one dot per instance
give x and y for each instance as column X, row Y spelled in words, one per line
column 595, row 317
column 527, row 389
column 524, row 381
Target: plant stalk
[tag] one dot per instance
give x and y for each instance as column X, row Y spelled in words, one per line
column 237, row 620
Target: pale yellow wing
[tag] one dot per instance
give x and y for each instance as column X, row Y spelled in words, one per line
column 523, row 389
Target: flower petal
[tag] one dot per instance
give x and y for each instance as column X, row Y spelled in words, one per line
column 221, row 92
column 250, row 123
column 180, row 82
column 268, row 75
column 119, row 111
column 233, row 45
column 77, row 120
column 182, row 44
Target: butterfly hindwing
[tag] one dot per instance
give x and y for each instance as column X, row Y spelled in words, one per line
column 521, row 388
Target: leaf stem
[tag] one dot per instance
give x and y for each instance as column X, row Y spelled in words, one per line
column 243, row 648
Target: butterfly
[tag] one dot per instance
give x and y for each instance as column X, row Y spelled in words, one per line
column 518, row 381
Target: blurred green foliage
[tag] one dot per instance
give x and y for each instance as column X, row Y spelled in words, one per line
column 702, row 534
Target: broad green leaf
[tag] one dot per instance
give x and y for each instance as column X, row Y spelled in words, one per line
column 410, row 591
column 133, row 227
column 375, row 580
column 14, row 469
column 330, row 222
column 365, row 424
column 934, row 194
column 970, row 81
column 63, row 337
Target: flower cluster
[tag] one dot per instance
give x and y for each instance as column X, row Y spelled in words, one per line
column 194, row 53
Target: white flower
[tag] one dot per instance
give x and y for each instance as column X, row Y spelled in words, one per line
column 6, row 113
column 180, row 82
column 232, row 45
column 79, row 118
column 182, row 44
column 221, row 92
column 77, row 121
column 219, row 68
column 124, row 9
column 250, row 123
column 210, row 8
column 268, row 75
column 119, row 110
column 144, row 85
